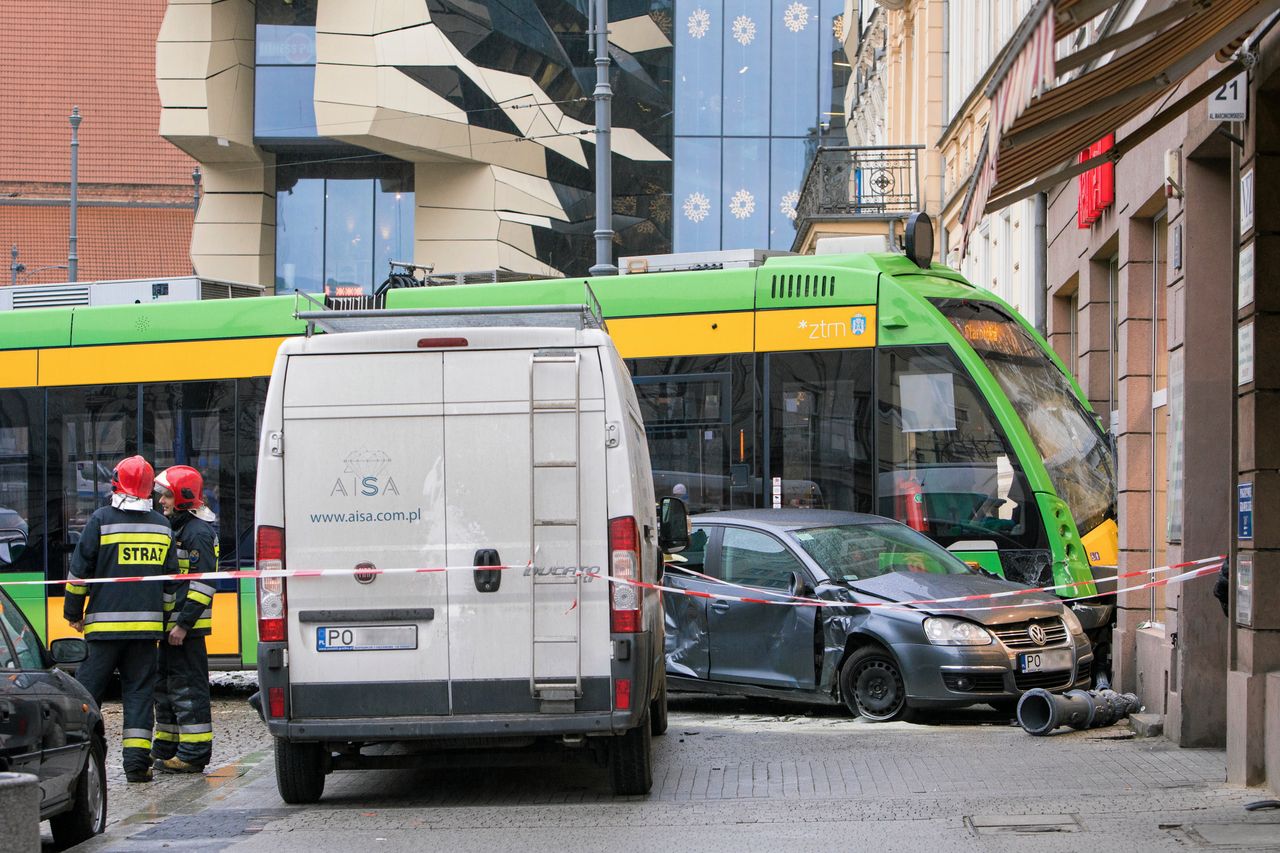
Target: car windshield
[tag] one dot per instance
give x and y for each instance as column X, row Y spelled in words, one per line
column 1076, row 453
column 853, row 552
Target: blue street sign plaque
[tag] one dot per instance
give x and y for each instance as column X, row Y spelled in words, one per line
column 1244, row 510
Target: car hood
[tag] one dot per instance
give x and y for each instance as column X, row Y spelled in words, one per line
column 920, row 586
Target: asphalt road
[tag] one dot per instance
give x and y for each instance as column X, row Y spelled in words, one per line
column 734, row 775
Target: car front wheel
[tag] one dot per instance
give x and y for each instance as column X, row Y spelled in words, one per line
column 871, row 685
column 88, row 814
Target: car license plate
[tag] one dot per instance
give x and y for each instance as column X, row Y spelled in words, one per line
column 366, row 638
column 1044, row 661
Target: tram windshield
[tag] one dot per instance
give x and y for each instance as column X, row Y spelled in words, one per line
column 1076, row 453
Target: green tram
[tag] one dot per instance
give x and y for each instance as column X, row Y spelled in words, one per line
column 860, row 382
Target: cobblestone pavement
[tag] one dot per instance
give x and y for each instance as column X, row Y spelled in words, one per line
column 744, row 775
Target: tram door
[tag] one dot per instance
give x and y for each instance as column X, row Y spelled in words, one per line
column 819, row 424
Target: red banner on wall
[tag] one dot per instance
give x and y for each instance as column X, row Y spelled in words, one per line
column 1098, row 185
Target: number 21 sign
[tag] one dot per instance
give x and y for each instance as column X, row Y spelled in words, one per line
column 1230, row 102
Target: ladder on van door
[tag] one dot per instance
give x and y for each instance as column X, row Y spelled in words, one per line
column 555, row 501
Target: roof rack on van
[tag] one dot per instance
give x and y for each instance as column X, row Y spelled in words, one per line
column 583, row 314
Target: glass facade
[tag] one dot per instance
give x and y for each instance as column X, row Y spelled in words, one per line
column 734, row 92
column 338, row 225
column 753, row 93
column 285, row 77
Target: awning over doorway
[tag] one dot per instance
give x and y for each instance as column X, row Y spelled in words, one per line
column 1038, row 132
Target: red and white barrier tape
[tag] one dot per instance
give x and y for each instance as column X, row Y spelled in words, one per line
column 1204, row 566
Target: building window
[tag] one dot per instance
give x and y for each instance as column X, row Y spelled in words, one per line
column 339, row 225
column 285, row 78
column 1160, row 411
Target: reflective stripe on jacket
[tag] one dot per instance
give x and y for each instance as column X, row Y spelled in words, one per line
column 190, row 603
column 117, row 543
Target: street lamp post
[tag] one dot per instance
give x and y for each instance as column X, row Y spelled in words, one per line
column 604, row 164
column 73, row 259
column 14, row 266
column 195, row 202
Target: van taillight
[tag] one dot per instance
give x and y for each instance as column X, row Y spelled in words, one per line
column 273, row 610
column 625, row 600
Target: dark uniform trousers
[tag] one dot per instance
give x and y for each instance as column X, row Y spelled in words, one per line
column 136, row 660
column 183, row 715
column 184, row 718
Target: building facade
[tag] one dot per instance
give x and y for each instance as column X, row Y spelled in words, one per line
column 337, row 136
column 135, row 191
column 1163, row 304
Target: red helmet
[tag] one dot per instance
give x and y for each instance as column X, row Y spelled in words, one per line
column 134, row 477
column 186, row 484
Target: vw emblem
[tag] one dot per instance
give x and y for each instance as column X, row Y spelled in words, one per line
column 1034, row 631
column 365, row 573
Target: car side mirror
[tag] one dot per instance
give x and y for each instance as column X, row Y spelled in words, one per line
column 673, row 525
column 796, row 587
column 69, row 650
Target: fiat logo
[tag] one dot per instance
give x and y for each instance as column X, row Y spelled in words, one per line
column 1035, row 632
column 366, row 572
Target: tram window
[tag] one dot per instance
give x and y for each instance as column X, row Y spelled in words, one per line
column 193, row 423
column 90, row 430
column 945, row 466
column 251, row 397
column 821, row 411
column 21, row 481
column 698, row 419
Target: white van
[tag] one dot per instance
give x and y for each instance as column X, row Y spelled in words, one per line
column 404, row 457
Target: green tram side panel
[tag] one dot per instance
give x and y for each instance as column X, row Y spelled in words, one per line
column 33, row 328
column 646, row 295
column 789, row 281
column 30, row 598
column 161, row 322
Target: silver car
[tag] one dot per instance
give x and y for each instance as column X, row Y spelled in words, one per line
column 881, row 662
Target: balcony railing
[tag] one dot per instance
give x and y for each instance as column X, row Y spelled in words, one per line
column 860, row 183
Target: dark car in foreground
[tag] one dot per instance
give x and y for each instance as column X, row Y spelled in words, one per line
column 51, row 728
column 882, row 662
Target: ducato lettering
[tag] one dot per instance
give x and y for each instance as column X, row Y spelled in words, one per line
column 134, row 555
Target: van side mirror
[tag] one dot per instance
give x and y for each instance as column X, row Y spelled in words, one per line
column 69, row 650
column 673, row 525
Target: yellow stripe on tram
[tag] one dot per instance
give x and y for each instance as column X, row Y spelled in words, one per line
column 182, row 361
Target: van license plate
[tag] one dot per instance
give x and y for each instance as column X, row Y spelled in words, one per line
column 1044, row 661
column 366, row 638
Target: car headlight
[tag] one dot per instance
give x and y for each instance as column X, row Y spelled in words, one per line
column 945, row 631
column 1073, row 621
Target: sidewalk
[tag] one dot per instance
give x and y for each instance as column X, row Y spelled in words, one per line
column 735, row 776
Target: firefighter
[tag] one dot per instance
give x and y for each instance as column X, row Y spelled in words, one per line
column 184, row 722
column 123, row 621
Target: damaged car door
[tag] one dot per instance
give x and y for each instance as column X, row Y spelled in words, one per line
column 764, row 644
column 687, row 642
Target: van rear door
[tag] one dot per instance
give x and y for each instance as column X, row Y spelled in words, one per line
column 524, row 440
column 365, row 486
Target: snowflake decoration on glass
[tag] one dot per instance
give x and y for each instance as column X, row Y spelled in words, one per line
column 744, row 30
column 787, row 206
column 742, row 205
column 697, row 207
column 699, row 23
column 796, row 17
